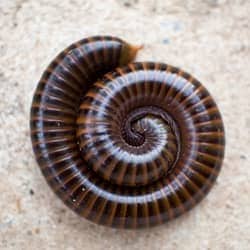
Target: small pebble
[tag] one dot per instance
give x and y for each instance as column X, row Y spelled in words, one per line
column 165, row 41
column 243, row 157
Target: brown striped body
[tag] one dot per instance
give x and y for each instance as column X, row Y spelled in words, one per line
column 133, row 148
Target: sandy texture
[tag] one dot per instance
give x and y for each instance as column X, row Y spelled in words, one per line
column 209, row 39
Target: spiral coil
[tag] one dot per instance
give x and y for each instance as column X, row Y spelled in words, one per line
column 127, row 147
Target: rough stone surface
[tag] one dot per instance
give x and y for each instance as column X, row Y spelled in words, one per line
column 209, row 39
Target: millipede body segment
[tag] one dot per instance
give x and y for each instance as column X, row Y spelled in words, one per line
column 124, row 144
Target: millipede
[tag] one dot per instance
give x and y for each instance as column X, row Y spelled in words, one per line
column 124, row 144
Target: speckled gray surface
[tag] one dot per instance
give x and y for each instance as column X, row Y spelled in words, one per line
column 209, row 39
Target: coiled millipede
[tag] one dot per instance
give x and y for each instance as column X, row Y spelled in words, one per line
column 124, row 144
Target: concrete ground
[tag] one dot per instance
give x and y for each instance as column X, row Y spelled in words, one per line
column 209, row 38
